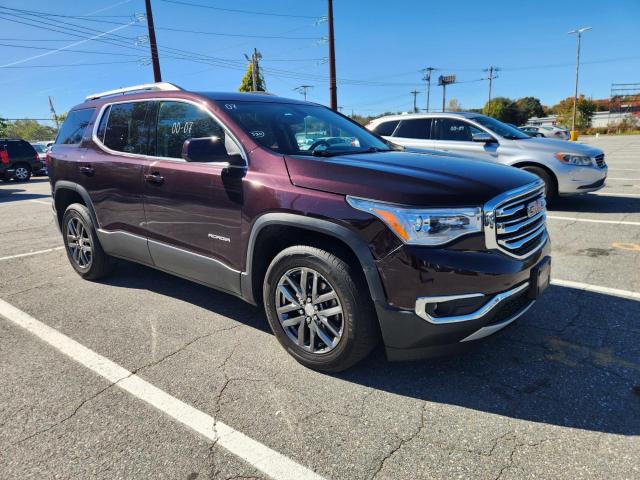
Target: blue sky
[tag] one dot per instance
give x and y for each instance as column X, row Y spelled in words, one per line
column 380, row 48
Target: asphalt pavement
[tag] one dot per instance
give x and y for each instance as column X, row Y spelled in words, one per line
column 555, row 395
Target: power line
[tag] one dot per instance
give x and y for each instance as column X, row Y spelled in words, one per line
column 231, row 10
column 74, row 64
column 98, row 52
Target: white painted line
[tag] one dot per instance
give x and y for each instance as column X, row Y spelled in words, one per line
column 597, row 289
column 624, row 169
column 28, row 254
column 592, row 220
column 626, row 179
column 616, row 194
column 43, row 202
column 261, row 457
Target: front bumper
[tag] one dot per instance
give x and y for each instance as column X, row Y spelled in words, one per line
column 574, row 180
column 495, row 287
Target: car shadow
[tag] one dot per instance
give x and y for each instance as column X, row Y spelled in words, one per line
column 596, row 204
column 18, row 194
column 572, row 361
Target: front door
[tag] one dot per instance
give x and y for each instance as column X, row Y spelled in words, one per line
column 192, row 208
column 456, row 136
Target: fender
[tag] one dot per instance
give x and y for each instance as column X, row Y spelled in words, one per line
column 80, row 190
column 357, row 245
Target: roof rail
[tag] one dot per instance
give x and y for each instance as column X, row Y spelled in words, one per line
column 159, row 86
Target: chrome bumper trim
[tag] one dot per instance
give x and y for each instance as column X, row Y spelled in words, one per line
column 422, row 302
column 491, row 329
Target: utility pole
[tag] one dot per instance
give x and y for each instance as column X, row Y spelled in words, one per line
column 53, row 112
column 415, row 94
column 333, row 89
column 256, row 56
column 157, row 77
column 303, row 90
column 491, row 77
column 427, row 78
column 579, row 32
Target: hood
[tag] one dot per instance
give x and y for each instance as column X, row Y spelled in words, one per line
column 553, row 145
column 407, row 178
column 442, row 153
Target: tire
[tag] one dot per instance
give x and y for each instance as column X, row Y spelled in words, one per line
column 22, row 172
column 550, row 186
column 357, row 322
column 92, row 263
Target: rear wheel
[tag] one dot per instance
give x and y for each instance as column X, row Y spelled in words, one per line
column 22, row 172
column 550, row 187
column 319, row 309
column 82, row 245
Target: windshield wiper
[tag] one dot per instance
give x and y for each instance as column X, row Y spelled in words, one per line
column 333, row 153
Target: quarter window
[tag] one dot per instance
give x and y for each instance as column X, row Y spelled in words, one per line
column 127, row 127
column 73, row 128
column 451, row 129
column 385, row 129
column 179, row 121
column 414, row 128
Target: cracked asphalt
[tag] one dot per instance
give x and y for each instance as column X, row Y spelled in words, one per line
column 556, row 395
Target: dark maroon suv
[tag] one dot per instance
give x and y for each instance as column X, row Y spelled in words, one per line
column 345, row 239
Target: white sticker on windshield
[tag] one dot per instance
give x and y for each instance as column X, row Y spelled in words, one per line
column 257, row 133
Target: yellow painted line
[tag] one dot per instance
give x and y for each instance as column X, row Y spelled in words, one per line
column 634, row 247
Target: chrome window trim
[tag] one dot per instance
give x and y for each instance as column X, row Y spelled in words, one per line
column 490, row 226
column 202, row 106
column 422, row 302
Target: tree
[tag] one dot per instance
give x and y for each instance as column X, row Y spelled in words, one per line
column 503, row 109
column 3, row 127
column 29, row 130
column 454, row 105
column 247, row 81
column 584, row 112
column 528, row 107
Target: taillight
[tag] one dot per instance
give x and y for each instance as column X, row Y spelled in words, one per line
column 4, row 157
column 46, row 160
column 37, row 157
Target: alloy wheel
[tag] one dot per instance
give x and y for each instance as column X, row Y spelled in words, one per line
column 21, row 173
column 309, row 310
column 79, row 243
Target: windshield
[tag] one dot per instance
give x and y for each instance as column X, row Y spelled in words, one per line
column 500, row 128
column 300, row 129
column 39, row 148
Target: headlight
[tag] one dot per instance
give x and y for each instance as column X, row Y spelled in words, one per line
column 420, row 226
column 573, row 159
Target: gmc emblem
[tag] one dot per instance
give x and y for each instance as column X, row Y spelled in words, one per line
column 535, row 207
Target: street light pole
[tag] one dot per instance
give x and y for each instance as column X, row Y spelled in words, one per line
column 333, row 94
column 579, row 32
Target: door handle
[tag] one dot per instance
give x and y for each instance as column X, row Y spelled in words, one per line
column 87, row 170
column 154, row 178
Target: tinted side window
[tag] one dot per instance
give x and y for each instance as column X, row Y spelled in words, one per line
column 386, row 128
column 452, row 129
column 414, row 128
column 179, row 121
column 127, row 128
column 73, row 128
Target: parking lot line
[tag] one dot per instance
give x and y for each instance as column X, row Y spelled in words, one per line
column 616, row 194
column 596, row 289
column 258, row 455
column 592, row 220
column 28, row 254
column 625, row 179
column 41, row 202
column 624, row 169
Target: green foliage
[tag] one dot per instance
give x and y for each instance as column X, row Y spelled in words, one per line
column 528, row 107
column 585, row 110
column 3, row 127
column 503, row 109
column 29, row 130
column 246, row 85
column 454, row 105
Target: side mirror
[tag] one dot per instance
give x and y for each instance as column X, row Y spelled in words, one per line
column 483, row 138
column 209, row 149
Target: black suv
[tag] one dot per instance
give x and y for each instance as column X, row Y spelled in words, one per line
column 344, row 240
column 18, row 160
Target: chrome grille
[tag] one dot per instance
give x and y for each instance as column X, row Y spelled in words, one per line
column 515, row 221
column 600, row 160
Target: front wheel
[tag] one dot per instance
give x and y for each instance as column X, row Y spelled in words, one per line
column 550, row 187
column 319, row 309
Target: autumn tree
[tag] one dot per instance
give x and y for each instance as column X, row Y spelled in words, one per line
column 584, row 112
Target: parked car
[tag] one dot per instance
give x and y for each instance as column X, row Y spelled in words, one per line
column 566, row 168
column 529, row 130
column 547, row 131
column 343, row 244
column 18, row 160
column 41, row 150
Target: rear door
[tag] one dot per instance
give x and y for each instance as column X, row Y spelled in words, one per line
column 192, row 208
column 456, row 135
column 413, row 132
